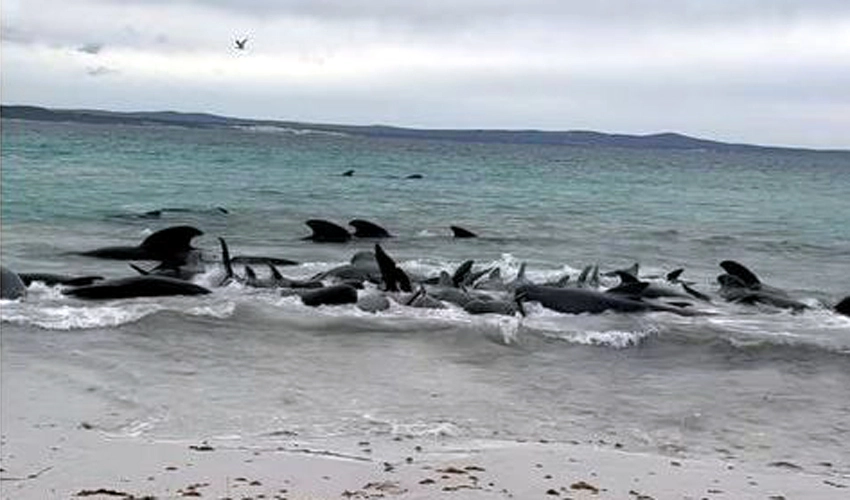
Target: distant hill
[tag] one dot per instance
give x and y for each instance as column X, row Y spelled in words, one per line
column 667, row 140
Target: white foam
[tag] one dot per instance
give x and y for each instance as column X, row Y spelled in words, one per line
column 53, row 316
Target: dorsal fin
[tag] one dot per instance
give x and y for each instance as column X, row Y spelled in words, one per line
column 327, row 232
column 170, row 243
column 393, row 277
column 582, row 278
column 462, row 271
column 843, row 307
column 460, row 232
column 634, row 289
column 275, row 273
column 727, row 280
column 366, row 229
column 225, row 258
column 738, row 270
column 674, row 275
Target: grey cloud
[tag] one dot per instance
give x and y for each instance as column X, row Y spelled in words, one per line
column 91, row 48
column 100, row 71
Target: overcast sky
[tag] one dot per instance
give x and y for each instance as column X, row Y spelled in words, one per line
column 757, row 71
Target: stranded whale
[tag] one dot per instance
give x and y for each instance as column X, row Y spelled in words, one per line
column 137, row 286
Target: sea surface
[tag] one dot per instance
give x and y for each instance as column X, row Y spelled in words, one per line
column 745, row 384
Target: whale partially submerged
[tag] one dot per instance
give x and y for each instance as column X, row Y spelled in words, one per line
column 171, row 245
column 367, row 229
column 137, row 286
column 583, row 300
column 12, row 287
column 742, row 286
column 325, row 231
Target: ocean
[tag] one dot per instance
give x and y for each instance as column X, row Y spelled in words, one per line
column 744, row 384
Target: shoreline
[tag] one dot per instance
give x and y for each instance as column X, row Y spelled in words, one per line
column 52, row 462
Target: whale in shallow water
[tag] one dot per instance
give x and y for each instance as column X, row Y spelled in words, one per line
column 330, row 295
column 137, row 286
column 843, row 307
column 366, row 229
column 460, row 232
column 11, row 285
column 742, row 286
column 582, row 300
column 51, row 279
column 171, row 245
column 325, row 231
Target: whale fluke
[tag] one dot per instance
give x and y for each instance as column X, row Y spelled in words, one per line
column 366, row 229
column 393, row 277
column 327, row 232
column 460, row 232
column 747, row 277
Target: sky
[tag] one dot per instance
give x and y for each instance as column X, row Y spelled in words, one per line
column 773, row 72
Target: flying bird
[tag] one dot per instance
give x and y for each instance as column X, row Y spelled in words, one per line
column 240, row 44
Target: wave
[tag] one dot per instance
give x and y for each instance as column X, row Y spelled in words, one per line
column 737, row 327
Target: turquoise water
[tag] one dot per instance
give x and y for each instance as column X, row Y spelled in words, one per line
column 748, row 384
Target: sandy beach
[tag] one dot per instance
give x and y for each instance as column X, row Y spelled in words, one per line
column 42, row 460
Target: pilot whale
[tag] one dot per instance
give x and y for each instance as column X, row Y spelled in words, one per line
column 170, row 245
column 11, row 285
column 137, row 286
column 583, row 300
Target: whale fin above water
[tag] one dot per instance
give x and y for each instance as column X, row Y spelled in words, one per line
column 171, row 244
column 738, row 270
column 460, row 232
column 843, row 307
column 461, row 273
column 325, row 231
column 366, row 229
column 630, row 288
column 137, row 286
column 11, row 285
column 393, row 277
column 674, row 275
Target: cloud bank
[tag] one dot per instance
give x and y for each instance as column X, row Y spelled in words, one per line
column 770, row 72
